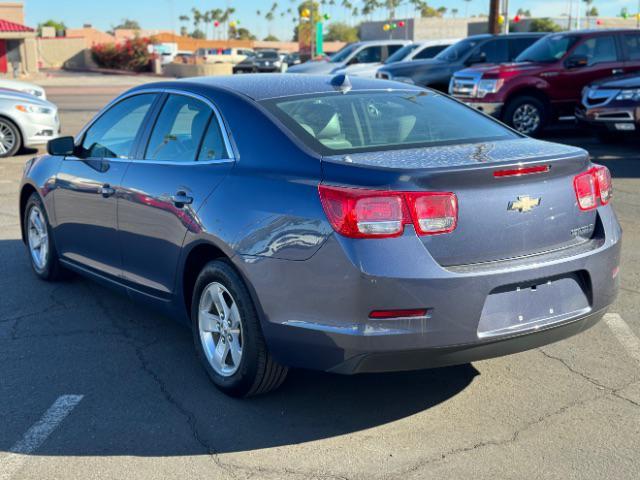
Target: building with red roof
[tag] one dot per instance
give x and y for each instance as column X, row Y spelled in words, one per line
column 18, row 49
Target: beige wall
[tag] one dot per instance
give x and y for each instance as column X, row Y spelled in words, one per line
column 182, row 70
column 12, row 11
column 58, row 52
column 91, row 36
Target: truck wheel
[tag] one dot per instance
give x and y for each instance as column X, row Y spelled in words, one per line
column 227, row 334
column 526, row 114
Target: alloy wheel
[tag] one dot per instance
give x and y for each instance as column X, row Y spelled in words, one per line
column 7, row 138
column 526, row 118
column 220, row 329
column 38, row 238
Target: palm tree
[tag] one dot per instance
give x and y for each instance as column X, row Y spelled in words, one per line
column 454, row 12
column 183, row 29
column 197, row 18
column 588, row 11
column 215, row 16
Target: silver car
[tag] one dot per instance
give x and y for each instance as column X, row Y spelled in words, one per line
column 25, row 121
column 26, row 87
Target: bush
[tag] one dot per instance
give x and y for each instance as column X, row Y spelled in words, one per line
column 131, row 55
column 544, row 25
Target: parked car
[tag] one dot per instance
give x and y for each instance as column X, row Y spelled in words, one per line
column 611, row 107
column 25, row 87
column 358, row 53
column 248, row 65
column 25, row 121
column 412, row 51
column 270, row 61
column 223, row 55
column 478, row 49
column 326, row 223
column 547, row 79
column 293, row 59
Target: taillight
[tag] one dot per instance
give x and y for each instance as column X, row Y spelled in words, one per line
column 433, row 212
column 360, row 213
column 592, row 186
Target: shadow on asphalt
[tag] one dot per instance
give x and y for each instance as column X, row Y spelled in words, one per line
column 145, row 394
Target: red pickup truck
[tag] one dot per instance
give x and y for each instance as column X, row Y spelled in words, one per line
column 546, row 80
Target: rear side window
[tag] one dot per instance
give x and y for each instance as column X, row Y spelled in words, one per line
column 518, row 45
column 632, row 43
column 178, row 130
column 367, row 122
column 213, row 147
column 495, row 51
column 112, row 135
column 598, row 50
column 391, row 49
column 429, row 52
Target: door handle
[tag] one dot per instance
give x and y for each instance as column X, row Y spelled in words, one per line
column 617, row 71
column 106, row 191
column 180, row 199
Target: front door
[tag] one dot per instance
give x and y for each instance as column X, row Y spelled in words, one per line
column 185, row 158
column 88, row 186
column 603, row 60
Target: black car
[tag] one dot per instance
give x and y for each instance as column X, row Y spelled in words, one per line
column 293, row 59
column 436, row 72
column 270, row 61
column 248, row 65
column 611, row 107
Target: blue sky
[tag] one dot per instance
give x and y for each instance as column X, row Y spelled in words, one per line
column 163, row 13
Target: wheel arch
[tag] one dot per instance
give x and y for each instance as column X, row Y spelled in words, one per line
column 528, row 91
column 25, row 193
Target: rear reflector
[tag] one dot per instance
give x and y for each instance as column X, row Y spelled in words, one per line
column 360, row 213
column 592, row 186
column 388, row 314
column 517, row 172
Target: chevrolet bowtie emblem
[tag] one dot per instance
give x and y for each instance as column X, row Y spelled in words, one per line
column 524, row 204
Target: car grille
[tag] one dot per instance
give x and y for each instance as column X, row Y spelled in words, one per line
column 594, row 97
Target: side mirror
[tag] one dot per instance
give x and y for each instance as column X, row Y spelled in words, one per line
column 577, row 61
column 61, row 146
column 476, row 57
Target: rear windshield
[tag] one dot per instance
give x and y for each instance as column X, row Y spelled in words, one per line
column 458, row 50
column 383, row 120
column 267, row 55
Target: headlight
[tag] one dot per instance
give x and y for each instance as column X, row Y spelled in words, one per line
column 488, row 86
column 404, row 80
column 633, row 94
column 34, row 109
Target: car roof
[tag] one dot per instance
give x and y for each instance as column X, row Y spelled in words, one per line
column 266, row 85
column 381, row 42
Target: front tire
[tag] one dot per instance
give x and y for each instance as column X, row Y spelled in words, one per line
column 10, row 138
column 527, row 115
column 227, row 334
column 39, row 241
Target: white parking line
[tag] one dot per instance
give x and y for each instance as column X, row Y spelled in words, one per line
column 17, row 455
column 624, row 334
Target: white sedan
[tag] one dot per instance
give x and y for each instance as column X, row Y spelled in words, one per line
column 25, row 87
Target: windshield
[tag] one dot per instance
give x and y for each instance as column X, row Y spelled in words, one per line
column 548, row 49
column 342, row 54
column 267, row 55
column 458, row 50
column 372, row 121
column 401, row 54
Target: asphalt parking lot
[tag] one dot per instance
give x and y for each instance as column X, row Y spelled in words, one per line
column 94, row 386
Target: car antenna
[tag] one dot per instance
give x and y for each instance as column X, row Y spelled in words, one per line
column 341, row 82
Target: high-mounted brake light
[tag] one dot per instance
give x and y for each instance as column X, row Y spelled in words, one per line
column 593, row 186
column 360, row 213
column 520, row 171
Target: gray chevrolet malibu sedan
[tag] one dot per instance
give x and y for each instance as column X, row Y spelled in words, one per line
column 317, row 222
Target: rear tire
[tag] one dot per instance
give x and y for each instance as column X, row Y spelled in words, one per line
column 528, row 115
column 10, row 138
column 228, row 338
column 42, row 251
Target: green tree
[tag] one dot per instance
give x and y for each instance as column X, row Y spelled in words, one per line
column 341, row 32
column 271, row 38
column 59, row 26
column 127, row 24
column 544, row 25
column 197, row 33
column 454, row 12
column 241, row 34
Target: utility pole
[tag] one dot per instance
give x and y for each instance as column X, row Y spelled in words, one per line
column 494, row 13
column 505, row 4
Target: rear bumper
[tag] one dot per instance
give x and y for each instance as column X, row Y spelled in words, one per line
column 316, row 312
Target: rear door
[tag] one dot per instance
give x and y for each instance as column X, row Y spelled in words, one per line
column 185, row 156
column 88, row 185
column 603, row 60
